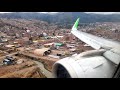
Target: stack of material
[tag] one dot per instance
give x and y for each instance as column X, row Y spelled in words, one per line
column 9, row 46
column 20, row 61
column 54, row 56
column 42, row 52
column 58, row 44
column 48, row 45
column 72, row 49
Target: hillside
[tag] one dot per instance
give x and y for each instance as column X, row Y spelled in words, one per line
column 19, row 27
column 63, row 18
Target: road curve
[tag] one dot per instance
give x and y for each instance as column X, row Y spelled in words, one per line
column 44, row 71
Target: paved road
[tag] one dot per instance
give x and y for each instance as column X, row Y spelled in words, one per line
column 44, row 71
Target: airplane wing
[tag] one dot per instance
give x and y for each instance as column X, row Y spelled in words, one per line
column 92, row 40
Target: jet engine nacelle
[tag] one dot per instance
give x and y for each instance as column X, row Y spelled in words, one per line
column 90, row 64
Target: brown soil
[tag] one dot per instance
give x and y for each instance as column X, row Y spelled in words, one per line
column 12, row 68
column 31, row 72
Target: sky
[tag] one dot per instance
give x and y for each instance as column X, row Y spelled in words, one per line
column 85, row 12
column 104, row 12
column 97, row 12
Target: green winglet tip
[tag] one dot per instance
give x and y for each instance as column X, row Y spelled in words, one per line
column 76, row 23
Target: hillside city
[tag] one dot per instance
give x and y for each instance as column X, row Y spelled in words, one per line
column 29, row 48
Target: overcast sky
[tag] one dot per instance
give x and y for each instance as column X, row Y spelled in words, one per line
column 85, row 12
column 104, row 12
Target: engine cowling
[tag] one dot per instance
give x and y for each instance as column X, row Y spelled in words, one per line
column 90, row 64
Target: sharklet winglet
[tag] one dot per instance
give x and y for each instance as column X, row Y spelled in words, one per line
column 75, row 26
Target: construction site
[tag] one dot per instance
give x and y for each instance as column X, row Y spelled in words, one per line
column 29, row 48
